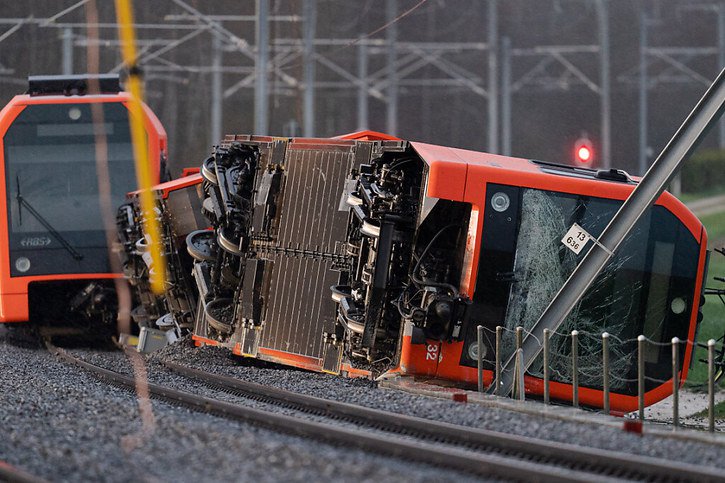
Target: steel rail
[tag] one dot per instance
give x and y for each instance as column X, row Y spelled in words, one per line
column 479, row 451
column 383, row 444
column 11, row 473
column 593, row 459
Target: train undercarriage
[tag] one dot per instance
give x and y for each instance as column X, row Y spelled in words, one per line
column 324, row 252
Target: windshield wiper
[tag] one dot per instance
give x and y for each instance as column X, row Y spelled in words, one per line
column 23, row 202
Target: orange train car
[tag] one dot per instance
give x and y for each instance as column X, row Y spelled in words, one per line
column 54, row 252
column 367, row 255
column 178, row 208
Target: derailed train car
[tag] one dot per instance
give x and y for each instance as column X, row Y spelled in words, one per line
column 367, row 255
column 162, row 318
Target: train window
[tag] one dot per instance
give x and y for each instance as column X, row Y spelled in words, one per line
column 75, row 129
column 524, row 265
column 52, row 182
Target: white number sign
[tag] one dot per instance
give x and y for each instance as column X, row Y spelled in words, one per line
column 576, row 238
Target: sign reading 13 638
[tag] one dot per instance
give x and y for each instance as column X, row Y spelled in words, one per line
column 576, row 238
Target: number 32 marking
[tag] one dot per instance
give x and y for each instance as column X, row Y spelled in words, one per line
column 431, row 353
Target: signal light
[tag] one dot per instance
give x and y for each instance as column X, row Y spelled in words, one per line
column 584, row 154
column 584, row 151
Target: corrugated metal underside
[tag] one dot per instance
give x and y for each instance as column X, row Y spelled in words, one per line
column 310, row 227
column 300, row 308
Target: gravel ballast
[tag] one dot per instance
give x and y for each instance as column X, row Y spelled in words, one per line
column 364, row 392
column 187, row 446
column 61, row 424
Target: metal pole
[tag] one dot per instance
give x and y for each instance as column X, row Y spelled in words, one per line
column 392, row 73
column 711, row 385
column 675, row 382
column 603, row 15
column 519, row 372
column 261, row 100
column 640, row 375
column 67, row 37
column 520, row 389
column 667, row 164
column 492, row 76
column 605, row 369
column 547, row 335
column 575, row 368
column 216, row 91
column 362, row 90
column 499, row 333
column 643, row 94
column 310, row 15
column 506, row 96
column 479, row 355
column 721, row 59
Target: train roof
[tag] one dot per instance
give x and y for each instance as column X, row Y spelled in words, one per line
column 27, row 99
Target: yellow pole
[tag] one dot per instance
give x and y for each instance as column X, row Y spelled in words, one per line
column 144, row 174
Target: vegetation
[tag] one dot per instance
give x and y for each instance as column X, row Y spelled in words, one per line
column 704, row 172
column 713, row 323
column 697, row 195
column 719, row 411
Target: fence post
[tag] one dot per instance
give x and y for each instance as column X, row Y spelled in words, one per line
column 675, row 382
column 520, row 370
column 479, row 355
column 499, row 332
column 518, row 381
column 640, row 375
column 605, row 369
column 547, row 334
column 575, row 368
column 711, row 385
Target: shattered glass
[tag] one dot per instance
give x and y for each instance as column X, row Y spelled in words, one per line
column 614, row 303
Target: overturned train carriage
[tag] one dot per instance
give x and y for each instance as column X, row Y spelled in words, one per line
column 178, row 210
column 369, row 255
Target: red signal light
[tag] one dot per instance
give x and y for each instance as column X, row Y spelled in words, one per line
column 584, row 154
column 583, row 151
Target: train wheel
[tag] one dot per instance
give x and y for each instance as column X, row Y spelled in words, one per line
column 226, row 242
column 201, row 245
column 208, row 172
column 219, row 314
column 340, row 291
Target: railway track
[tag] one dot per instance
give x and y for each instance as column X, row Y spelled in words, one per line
column 446, row 445
column 11, row 473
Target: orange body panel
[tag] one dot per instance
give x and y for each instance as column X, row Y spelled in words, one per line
column 14, row 290
column 285, row 358
column 173, row 185
column 189, row 171
column 461, row 175
column 368, row 136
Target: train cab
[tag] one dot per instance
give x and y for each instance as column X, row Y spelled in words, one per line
column 56, row 141
column 507, row 259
